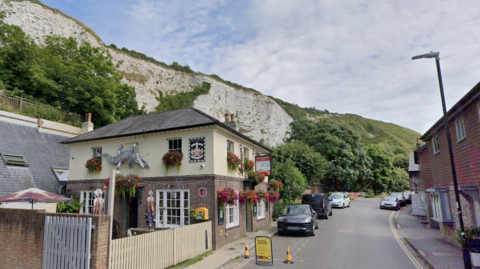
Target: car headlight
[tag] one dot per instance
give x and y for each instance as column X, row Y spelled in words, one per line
column 308, row 219
column 280, row 219
column 395, row 204
column 383, row 203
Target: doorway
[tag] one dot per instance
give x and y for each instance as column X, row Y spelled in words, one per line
column 173, row 207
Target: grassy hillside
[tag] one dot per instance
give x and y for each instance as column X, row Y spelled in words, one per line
column 371, row 131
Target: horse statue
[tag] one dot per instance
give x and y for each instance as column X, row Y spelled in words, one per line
column 126, row 156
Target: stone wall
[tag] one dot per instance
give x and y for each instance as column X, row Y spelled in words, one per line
column 21, row 238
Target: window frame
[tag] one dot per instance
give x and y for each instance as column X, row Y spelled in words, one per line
column 7, row 161
column 436, row 145
column 230, row 146
column 440, row 203
column 235, row 215
column 88, row 206
column 460, row 129
column 261, row 210
column 95, row 153
column 246, row 153
column 178, row 149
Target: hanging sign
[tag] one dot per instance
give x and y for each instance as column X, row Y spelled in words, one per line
column 263, row 251
column 263, row 164
column 196, row 149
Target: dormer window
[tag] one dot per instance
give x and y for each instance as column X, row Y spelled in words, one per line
column 10, row 159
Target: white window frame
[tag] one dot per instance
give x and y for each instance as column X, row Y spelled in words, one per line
column 232, row 211
column 230, row 146
column 177, row 148
column 436, row 145
column 246, row 153
column 89, row 198
column 460, row 128
column 440, row 203
column 261, row 210
column 96, row 152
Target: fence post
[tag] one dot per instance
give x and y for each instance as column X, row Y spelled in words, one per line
column 21, row 103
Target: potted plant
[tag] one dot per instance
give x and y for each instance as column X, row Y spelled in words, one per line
column 248, row 165
column 276, row 185
column 261, row 195
column 233, row 162
column 250, row 196
column 472, row 242
column 94, row 165
column 272, row 196
column 69, row 207
column 172, row 158
column 227, row 196
column 125, row 185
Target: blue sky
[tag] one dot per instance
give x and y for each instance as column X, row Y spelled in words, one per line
column 345, row 56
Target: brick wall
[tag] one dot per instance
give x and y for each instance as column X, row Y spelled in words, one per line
column 21, row 238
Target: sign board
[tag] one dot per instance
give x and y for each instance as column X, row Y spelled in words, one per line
column 263, row 164
column 263, row 251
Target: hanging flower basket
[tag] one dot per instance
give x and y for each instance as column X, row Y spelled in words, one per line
column 94, row 165
column 276, row 185
column 125, row 185
column 256, row 176
column 233, row 162
column 272, row 196
column 172, row 158
column 248, row 165
column 262, row 196
column 227, row 196
column 250, row 196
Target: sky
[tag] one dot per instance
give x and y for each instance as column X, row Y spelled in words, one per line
column 345, row 56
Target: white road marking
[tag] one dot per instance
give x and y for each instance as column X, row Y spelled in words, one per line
column 399, row 241
column 243, row 263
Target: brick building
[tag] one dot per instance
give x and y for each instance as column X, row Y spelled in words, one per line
column 435, row 175
column 204, row 142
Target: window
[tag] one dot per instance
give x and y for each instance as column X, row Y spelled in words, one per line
column 232, row 216
column 261, row 210
column 175, row 145
column 441, row 206
column 97, row 152
column 10, row 159
column 229, row 146
column 173, row 208
column 245, row 153
column 88, row 197
column 436, row 146
column 460, row 127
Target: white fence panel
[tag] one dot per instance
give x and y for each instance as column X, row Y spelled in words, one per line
column 67, row 243
column 161, row 249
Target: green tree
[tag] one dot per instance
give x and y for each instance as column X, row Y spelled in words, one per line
column 293, row 180
column 381, row 176
column 310, row 163
column 180, row 100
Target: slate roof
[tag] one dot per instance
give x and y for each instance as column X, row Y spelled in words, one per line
column 157, row 122
column 41, row 151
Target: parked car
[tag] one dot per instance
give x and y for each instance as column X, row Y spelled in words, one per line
column 339, row 200
column 400, row 197
column 298, row 218
column 390, row 202
column 408, row 197
column 319, row 203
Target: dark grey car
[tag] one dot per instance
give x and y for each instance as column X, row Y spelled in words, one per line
column 390, row 202
column 319, row 202
column 297, row 218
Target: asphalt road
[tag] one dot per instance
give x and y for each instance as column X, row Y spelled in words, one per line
column 362, row 236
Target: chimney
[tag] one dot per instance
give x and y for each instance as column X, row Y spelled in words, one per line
column 87, row 126
column 232, row 116
column 418, row 143
column 226, row 117
column 232, row 124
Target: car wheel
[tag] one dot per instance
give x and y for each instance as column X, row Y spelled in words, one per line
column 343, row 205
column 331, row 213
column 348, row 204
column 279, row 232
column 316, row 226
column 326, row 216
column 312, row 232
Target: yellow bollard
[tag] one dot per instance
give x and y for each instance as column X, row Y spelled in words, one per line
column 289, row 257
column 247, row 255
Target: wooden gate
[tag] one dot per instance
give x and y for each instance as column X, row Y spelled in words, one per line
column 67, row 243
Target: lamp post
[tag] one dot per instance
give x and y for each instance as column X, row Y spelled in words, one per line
column 333, row 175
column 466, row 254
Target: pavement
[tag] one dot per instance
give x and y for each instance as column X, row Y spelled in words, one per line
column 428, row 242
column 235, row 249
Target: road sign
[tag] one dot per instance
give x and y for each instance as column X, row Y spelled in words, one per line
column 263, row 251
column 263, row 164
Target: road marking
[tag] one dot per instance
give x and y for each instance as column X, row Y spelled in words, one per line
column 243, row 263
column 399, row 241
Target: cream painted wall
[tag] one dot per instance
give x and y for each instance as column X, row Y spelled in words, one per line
column 153, row 147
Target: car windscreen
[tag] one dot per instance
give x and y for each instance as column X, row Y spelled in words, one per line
column 393, row 199
column 312, row 199
column 336, row 196
column 297, row 209
column 399, row 196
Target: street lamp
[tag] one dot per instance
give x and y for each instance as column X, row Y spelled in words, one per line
column 333, row 174
column 436, row 55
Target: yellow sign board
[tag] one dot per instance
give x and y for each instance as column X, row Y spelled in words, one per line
column 263, row 250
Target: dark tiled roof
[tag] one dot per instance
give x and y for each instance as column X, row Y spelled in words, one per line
column 157, row 122
column 41, row 151
column 170, row 120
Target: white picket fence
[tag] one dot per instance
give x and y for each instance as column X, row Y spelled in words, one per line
column 161, row 249
column 67, row 243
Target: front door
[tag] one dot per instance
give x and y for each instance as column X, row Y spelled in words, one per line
column 173, row 208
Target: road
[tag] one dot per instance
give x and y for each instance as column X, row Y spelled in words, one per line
column 362, row 236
